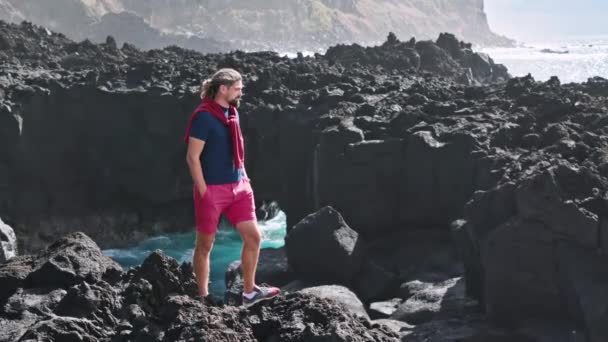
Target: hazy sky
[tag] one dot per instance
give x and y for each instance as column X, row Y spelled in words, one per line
column 527, row 20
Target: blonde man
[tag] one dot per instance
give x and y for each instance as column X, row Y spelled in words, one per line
column 215, row 158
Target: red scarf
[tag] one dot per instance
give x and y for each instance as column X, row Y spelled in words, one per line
column 210, row 106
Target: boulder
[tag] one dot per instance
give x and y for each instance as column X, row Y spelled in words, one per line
column 341, row 295
column 425, row 302
column 157, row 301
column 323, row 247
column 385, row 309
column 70, row 260
column 8, row 242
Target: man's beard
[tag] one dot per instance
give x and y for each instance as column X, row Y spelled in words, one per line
column 236, row 102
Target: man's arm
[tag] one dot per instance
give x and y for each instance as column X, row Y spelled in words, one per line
column 195, row 148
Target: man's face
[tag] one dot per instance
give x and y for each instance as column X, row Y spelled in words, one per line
column 233, row 94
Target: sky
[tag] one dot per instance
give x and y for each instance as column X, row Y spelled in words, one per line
column 537, row 20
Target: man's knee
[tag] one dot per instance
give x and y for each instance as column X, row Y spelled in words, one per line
column 204, row 243
column 250, row 233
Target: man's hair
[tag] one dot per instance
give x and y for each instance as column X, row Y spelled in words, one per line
column 225, row 76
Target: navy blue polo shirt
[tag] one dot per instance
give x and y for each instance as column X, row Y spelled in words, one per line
column 216, row 160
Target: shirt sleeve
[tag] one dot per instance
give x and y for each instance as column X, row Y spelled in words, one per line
column 200, row 126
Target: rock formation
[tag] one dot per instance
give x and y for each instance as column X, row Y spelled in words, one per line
column 8, row 242
column 115, row 117
column 285, row 26
column 72, row 292
column 412, row 143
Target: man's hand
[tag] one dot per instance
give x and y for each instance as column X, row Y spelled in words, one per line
column 202, row 190
column 195, row 148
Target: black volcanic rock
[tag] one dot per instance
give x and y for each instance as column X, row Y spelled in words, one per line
column 8, row 242
column 154, row 301
column 70, row 260
column 302, row 317
column 338, row 250
column 447, row 57
column 517, row 167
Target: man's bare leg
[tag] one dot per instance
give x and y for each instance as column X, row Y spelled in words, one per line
column 200, row 260
column 251, row 252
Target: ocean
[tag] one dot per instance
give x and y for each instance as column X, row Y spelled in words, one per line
column 226, row 248
column 571, row 59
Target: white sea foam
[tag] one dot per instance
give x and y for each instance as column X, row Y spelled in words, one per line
column 586, row 57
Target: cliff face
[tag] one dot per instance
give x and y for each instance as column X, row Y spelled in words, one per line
column 465, row 18
column 97, row 19
column 291, row 25
column 9, row 13
column 322, row 21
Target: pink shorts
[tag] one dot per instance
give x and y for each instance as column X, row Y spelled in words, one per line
column 234, row 200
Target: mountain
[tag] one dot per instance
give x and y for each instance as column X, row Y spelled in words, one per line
column 293, row 23
column 97, row 19
column 282, row 25
column 9, row 13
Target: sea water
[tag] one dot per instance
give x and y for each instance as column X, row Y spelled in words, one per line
column 226, row 249
column 571, row 59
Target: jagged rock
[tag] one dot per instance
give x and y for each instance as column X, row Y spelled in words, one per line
column 267, row 210
column 64, row 328
column 338, row 248
column 438, row 176
column 166, row 276
column 340, row 294
column 597, row 86
column 449, row 43
column 401, row 328
column 389, row 56
column 375, row 282
column 384, row 309
column 13, row 274
column 424, row 302
column 433, row 58
column 550, row 219
column 31, row 302
column 8, row 242
column 96, row 301
column 288, row 319
column 71, row 260
column 154, row 301
column 583, row 278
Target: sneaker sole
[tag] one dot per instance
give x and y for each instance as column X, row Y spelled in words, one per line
column 260, row 300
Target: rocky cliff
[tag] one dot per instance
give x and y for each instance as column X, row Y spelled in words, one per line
column 114, row 117
column 293, row 25
column 410, row 142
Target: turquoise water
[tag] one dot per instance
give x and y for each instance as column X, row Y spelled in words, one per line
column 226, row 249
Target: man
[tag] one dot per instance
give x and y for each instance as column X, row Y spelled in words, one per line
column 216, row 161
